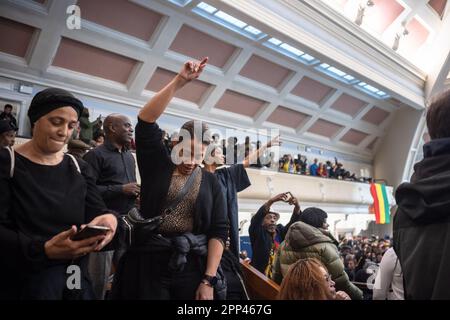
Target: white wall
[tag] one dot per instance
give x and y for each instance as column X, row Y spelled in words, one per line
column 392, row 155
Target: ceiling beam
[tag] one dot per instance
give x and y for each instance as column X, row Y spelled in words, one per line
column 49, row 38
column 297, row 22
column 238, row 61
column 287, row 88
column 166, row 34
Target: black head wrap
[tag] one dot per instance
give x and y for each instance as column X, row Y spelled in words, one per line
column 50, row 99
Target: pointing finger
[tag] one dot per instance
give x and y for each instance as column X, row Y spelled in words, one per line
column 204, row 61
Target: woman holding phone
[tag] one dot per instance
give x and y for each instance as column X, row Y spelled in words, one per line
column 45, row 196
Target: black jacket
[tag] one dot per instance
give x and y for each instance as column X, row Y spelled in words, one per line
column 422, row 225
column 261, row 240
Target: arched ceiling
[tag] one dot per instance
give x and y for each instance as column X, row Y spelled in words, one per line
column 416, row 23
column 259, row 75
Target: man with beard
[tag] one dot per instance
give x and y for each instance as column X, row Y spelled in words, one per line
column 266, row 235
column 114, row 168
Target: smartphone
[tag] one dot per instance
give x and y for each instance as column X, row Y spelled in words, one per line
column 289, row 196
column 89, row 232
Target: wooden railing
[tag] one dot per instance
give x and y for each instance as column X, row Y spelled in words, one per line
column 258, row 286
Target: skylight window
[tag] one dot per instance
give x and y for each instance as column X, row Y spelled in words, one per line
column 370, row 88
column 206, row 7
column 372, row 91
column 336, row 73
column 290, row 51
column 308, row 57
column 228, row 21
column 275, row 41
column 253, row 30
column 349, row 77
column 180, row 3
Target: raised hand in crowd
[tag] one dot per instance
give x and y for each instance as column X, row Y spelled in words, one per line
column 253, row 157
column 275, row 142
column 156, row 106
column 279, row 197
column 293, row 201
column 192, row 70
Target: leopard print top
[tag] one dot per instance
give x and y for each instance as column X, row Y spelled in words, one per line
column 181, row 219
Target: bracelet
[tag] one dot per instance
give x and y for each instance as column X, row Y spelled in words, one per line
column 204, row 281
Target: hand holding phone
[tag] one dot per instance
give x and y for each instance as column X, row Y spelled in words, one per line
column 288, row 197
column 291, row 199
column 89, row 232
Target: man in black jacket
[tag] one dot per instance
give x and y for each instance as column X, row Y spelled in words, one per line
column 422, row 222
column 266, row 235
column 114, row 169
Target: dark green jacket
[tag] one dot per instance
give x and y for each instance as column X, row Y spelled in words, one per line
column 304, row 241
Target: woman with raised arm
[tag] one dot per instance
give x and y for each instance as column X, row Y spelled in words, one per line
column 180, row 258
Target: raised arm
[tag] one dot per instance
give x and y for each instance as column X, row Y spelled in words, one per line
column 254, row 155
column 156, row 106
column 258, row 218
column 294, row 217
column 296, row 211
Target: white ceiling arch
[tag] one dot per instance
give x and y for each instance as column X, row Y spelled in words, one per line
column 128, row 49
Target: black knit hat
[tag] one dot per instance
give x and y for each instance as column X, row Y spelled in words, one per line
column 313, row 216
column 50, row 99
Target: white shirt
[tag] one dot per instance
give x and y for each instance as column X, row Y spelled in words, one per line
column 389, row 280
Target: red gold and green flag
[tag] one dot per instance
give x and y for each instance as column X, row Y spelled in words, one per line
column 380, row 203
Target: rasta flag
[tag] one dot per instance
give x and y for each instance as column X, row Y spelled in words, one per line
column 380, row 203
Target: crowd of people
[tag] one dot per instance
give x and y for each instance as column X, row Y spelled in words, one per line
column 361, row 257
column 235, row 152
column 299, row 165
column 357, row 267
column 90, row 134
column 176, row 235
